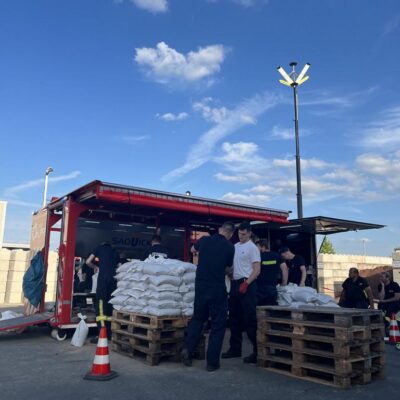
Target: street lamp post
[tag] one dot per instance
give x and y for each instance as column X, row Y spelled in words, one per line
column 293, row 80
column 46, row 183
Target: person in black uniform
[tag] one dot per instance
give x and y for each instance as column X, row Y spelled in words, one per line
column 156, row 246
column 272, row 267
column 389, row 295
column 107, row 263
column 215, row 260
column 356, row 292
column 296, row 267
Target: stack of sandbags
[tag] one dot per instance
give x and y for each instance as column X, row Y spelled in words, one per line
column 296, row 296
column 156, row 286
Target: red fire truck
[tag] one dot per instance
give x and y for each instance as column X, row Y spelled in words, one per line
column 128, row 217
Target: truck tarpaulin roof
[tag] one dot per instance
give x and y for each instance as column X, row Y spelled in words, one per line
column 328, row 225
column 98, row 192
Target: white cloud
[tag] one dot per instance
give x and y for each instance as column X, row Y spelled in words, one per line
column 15, row 190
column 241, row 178
column 244, row 3
column 170, row 117
column 154, row 6
column 283, row 134
column 257, row 199
column 385, row 131
column 201, row 152
column 305, row 163
column 135, row 139
column 166, row 65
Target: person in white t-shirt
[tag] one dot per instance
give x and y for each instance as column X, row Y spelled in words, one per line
column 243, row 295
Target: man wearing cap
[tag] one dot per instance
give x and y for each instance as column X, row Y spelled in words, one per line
column 243, row 295
column 296, row 266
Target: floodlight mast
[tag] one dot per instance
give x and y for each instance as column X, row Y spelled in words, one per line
column 294, row 81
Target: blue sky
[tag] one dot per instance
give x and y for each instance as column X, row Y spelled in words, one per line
column 184, row 95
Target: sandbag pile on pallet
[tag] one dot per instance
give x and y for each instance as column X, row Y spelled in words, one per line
column 156, row 286
column 294, row 296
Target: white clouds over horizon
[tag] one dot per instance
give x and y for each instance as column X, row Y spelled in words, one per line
column 166, row 65
column 202, row 151
column 384, row 132
column 154, row 6
column 171, row 117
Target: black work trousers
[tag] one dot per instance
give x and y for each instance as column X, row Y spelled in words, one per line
column 209, row 302
column 267, row 295
column 242, row 315
column 103, row 293
column 363, row 304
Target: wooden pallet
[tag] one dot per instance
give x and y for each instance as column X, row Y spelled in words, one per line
column 329, row 363
column 148, row 346
column 339, row 347
column 335, row 349
column 329, row 335
column 306, row 372
column 126, row 349
column 340, row 317
column 150, row 321
column 153, row 334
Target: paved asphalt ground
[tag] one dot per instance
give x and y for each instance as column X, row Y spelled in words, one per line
column 35, row 366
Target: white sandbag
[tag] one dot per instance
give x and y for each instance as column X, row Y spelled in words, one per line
column 136, row 302
column 163, row 312
column 136, row 276
column 123, row 284
column 189, row 267
column 81, row 332
column 189, row 277
column 163, row 288
column 186, row 287
column 188, row 297
column 187, row 312
column 304, row 295
column 134, row 293
column 133, row 308
column 164, row 279
column 118, row 290
column 120, row 299
column 122, row 276
column 142, row 286
column 165, row 295
column 162, row 269
column 324, row 299
column 163, row 304
column 8, row 314
column 117, row 307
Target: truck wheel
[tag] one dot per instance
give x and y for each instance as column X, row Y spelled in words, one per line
column 58, row 334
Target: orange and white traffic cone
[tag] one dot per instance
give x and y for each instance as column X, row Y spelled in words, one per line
column 101, row 369
column 394, row 334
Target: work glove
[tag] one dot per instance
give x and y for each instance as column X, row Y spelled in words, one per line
column 243, row 287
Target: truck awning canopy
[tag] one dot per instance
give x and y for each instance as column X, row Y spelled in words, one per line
column 327, row 225
column 98, row 192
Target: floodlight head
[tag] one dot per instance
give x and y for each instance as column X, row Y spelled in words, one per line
column 285, row 75
column 48, row 170
column 303, row 73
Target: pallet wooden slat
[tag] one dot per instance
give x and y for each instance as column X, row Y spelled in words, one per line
column 334, row 346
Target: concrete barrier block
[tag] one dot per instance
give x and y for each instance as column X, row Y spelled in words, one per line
column 14, row 297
